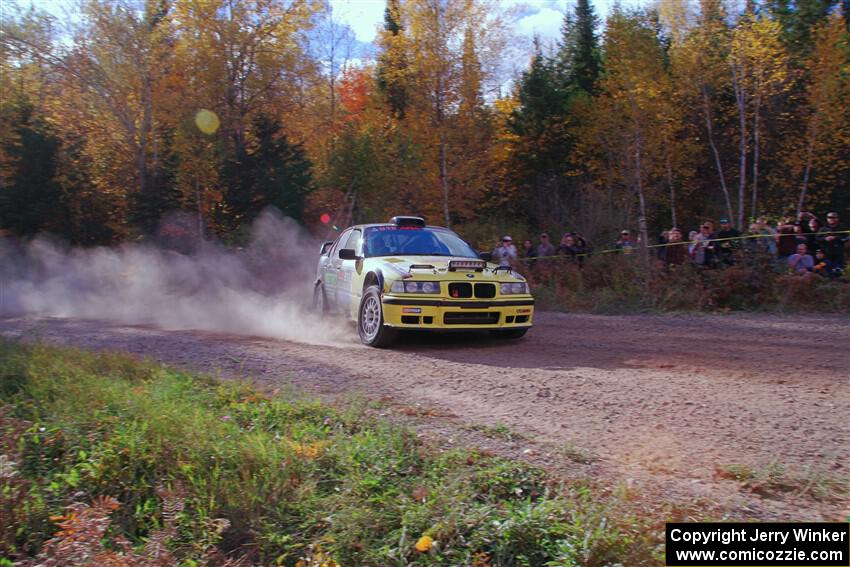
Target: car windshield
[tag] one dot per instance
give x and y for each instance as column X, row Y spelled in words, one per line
column 414, row 241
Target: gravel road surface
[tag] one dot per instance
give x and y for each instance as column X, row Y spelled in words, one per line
column 666, row 404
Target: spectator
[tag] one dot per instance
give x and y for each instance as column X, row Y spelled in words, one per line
column 529, row 251
column 726, row 249
column 701, row 249
column 545, row 248
column 675, row 251
column 786, row 241
column 626, row 243
column 767, row 242
column 824, row 266
column 545, row 251
column 810, row 237
column 833, row 244
column 505, row 253
column 582, row 243
column 571, row 250
column 802, row 262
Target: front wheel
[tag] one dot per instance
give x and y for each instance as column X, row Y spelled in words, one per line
column 370, row 320
column 510, row 333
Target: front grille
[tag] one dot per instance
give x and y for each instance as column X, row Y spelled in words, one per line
column 410, row 320
column 460, row 290
column 522, row 319
column 480, row 318
column 485, row 290
column 464, row 290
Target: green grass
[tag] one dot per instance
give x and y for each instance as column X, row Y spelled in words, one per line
column 774, row 478
column 294, row 479
column 498, row 431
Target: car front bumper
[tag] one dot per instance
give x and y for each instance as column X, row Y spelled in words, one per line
column 457, row 314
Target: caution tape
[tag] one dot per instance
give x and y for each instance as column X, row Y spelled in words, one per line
column 681, row 243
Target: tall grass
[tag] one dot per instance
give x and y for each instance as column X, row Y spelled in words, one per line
column 219, row 470
column 615, row 283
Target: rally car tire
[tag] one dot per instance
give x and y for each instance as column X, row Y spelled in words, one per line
column 510, row 333
column 370, row 320
column 320, row 300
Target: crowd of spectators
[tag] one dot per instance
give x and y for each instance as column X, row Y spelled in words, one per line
column 800, row 246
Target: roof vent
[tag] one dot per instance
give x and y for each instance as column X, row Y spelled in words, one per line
column 408, row 221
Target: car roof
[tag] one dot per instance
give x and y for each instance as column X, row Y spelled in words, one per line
column 374, row 224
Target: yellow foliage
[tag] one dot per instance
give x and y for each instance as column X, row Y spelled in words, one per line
column 424, row 544
column 308, row 450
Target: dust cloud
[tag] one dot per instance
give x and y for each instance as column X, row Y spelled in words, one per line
column 263, row 289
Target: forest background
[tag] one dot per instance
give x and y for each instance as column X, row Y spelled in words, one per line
column 660, row 116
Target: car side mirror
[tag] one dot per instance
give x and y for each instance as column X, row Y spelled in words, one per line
column 486, row 256
column 348, row 254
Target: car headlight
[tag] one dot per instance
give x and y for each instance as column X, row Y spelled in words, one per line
column 400, row 286
column 516, row 288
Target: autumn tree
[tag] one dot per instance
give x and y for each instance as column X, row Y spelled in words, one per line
column 628, row 132
column 823, row 158
column 757, row 61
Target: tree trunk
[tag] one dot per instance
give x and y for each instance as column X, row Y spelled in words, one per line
column 756, row 153
column 444, row 177
column 741, row 99
column 642, row 228
column 707, row 112
column 145, row 130
column 672, row 188
column 808, row 169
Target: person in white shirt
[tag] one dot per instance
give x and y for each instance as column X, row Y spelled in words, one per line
column 505, row 253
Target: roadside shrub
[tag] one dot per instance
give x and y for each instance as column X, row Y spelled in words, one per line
column 614, row 283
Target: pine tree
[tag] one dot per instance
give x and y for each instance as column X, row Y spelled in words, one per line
column 393, row 66
column 798, row 19
column 273, row 172
column 30, row 198
column 578, row 54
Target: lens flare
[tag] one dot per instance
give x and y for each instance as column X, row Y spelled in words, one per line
column 207, row 121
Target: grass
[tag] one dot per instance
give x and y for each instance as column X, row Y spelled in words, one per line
column 102, row 455
column 774, row 478
column 498, row 431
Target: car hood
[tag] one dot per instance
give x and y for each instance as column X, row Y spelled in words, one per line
column 400, row 265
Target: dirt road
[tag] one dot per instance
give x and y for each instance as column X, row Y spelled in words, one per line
column 675, row 406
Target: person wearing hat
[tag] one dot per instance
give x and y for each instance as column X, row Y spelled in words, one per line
column 626, row 243
column 505, row 253
column 833, row 244
column 824, row 266
column 725, row 250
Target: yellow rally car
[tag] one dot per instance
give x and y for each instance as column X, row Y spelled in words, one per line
column 406, row 275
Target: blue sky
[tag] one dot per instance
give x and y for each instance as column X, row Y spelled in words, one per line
column 541, row 17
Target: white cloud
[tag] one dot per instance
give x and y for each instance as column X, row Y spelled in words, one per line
column 546, row 23
column 364, row 16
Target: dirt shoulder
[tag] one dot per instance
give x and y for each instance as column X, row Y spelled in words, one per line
column 747, row 415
